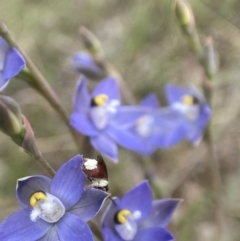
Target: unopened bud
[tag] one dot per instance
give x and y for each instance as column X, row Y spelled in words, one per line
column 29, row 142
column 10, row 116
column 209, row 59
column 91, row 42
column 184, row 15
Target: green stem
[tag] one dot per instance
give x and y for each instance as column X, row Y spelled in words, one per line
column 37, row 80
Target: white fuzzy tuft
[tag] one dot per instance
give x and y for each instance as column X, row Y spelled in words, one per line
column 90, row 164
column 137, row 214
column 35, row 214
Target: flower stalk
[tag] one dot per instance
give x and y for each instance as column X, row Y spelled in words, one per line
column 34, row 78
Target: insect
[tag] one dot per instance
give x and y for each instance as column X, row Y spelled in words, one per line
column 96, row 172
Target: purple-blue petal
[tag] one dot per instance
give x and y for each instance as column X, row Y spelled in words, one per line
column 151, row 101
column 85, row 64
column 138, row 199
column 109, row 87
column 51, row 235
column 69, row 181
column 3, row 82
column 161, row 213
column 108, row 216
column 111, row 235
column 204, row 117
column 175, row 93
column 29, row 185
column 14, row 63
column 128, row 115
column 72, row 228
column 82, row 123
column 90, row 204
column 153, row 234
column 81, row 99
column 106, row 146
column 19, row 226
column 127, row 139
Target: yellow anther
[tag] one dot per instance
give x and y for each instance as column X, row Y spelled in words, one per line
column 188, row 99
column 121, row 216
column 37, row 196
column 100, row 99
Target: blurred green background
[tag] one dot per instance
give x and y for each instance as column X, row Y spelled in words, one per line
column 142, row 39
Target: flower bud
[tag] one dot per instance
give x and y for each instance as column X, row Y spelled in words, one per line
column 184, row 16
column 10, row 116
column 29, row 142
column 209, row 59
column 90, row 41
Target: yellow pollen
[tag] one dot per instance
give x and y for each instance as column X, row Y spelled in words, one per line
column 121, row 216
column 188, row 99
column 37, row 196
column 100, row 99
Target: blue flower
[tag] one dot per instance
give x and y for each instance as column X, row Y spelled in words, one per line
column 192, row 106
column 101, row 117
column 157, row 127
column 85, row 64
column 56, row 209
column 136, row 217
column 11, row 63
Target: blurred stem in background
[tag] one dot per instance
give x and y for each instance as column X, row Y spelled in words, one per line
column 35, row 79
column 208, row 60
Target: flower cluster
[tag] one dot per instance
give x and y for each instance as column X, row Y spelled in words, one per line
column 142, row 128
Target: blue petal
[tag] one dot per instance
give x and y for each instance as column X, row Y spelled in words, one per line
column 161, row 213
column 106, row 146
column 51, row 235
column 128, row 115
column 127, row 139
column 3, row 82
column 82, row 123
column 109, row 87
column 72, row 228
column 82, row 99
column 133, row 200
column 111, row 235
column 108, row 216
column 18, row 226
column 204, row 117
column 167, row 128
column 150, row 101
column 175, row 93
column 4, row 47
column 29, row 185
column 69, row 181
column 85, row 64
column 153, row 234
column 14, row 63
column 89, row 205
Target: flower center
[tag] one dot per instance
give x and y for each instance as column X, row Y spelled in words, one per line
column 99, row 100
column 102, row 110
column 189, row 106
column 125, row 224
column 144, row 126
column 46, row 207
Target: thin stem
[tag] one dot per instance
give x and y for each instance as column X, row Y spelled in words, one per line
column 214, row 165
column 38, row 81
column 42, row 161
